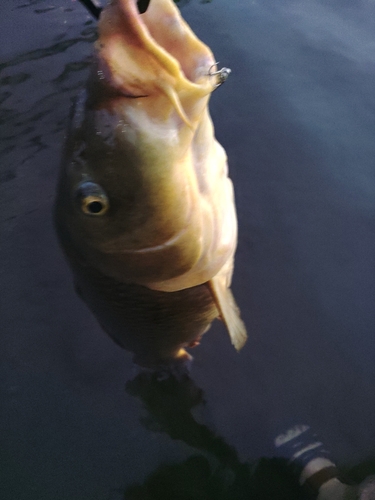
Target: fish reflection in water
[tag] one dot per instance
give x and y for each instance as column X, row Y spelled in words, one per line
column 301, row 469
column 217, row 474
column 145, row 209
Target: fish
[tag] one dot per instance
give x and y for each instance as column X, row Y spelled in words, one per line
column 145, row 210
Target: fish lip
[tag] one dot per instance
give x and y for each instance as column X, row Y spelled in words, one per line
column 123, row 31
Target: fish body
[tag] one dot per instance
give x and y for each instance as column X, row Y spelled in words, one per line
column 145, row 210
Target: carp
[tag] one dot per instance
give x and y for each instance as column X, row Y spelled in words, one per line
column 145, row 209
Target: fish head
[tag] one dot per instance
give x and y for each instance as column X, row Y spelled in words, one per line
column 155, row 55
column 140, row 151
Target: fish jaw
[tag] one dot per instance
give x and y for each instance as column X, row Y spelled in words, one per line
column 156, row 56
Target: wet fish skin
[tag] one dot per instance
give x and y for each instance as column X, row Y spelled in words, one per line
column 154, row 259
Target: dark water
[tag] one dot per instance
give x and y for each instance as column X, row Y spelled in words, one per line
column 77, row 419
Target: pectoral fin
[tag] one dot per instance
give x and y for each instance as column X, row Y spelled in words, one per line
column 229, row 311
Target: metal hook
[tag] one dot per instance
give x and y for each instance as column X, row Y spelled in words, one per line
column 222, row 74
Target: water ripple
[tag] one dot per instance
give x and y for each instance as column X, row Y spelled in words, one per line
column 89, row 35
column 36, row 86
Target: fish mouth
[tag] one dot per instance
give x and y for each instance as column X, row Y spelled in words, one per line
column 143, row 5
column 152, row 54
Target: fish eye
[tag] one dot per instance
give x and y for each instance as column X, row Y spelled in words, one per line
column 92, row 199
column 93, row 206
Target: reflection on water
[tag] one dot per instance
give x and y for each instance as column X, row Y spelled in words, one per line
column 169, row 403
column 216, row 475
column 197, row 479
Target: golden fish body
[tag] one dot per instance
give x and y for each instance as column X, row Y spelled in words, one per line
column 145, row 210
